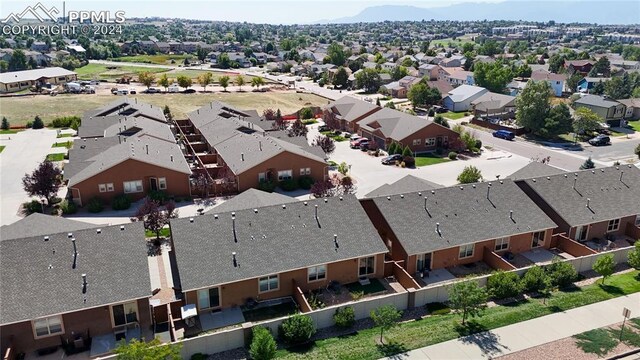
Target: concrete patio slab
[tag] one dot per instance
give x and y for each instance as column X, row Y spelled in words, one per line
column 437, row 276
column 539, row 256
column 220, row 319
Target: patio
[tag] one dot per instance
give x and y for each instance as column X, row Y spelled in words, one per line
column 219, row 319
column 57, row 355
column 339, row 294
column 539, row 256
column 434, row 277
column 105, row 344
column 270, row 309
column 476, row 268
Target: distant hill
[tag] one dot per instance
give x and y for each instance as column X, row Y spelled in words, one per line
column 564, row 11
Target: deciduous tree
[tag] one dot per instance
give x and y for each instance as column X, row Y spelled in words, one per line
column 298, row 129
column 239, row 81
column 44, row 181
column 325, row 143
column 146, row 78
column 184, row 81
column 341, row 78
column 470, row 174
column 533, row 105
column 224, row 82
column 164, row 81
column 604, row 265
column 153, row 216
column 492, row 76
column 634, row 255
column 205, row 80
column 467, row 297
column 369, row 80
column 385, row 317
column 585, row 120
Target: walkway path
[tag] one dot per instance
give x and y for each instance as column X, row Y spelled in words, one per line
column 530, row 333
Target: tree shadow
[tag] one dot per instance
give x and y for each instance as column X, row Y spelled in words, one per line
column 475, row 333
column 610, row 289
column 302, row 348
column 393, row 349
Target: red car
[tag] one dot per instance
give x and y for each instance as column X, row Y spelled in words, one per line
column 357, row 143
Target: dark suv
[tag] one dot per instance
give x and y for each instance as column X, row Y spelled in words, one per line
column 600, row 140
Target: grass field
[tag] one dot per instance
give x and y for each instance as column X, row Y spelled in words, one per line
column 429, row 159
column 445, row 42
column 55, row 157
column 100, row 71
column 22, row 109
column 435, row 329
column 635, row 125
column 2, row 148
column 454, row 115
column 160, row 59
column 8, row 132
column 66, row 144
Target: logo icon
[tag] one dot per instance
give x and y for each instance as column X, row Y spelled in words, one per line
column 35, row 11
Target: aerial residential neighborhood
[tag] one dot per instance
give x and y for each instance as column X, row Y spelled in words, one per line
column 314, row 180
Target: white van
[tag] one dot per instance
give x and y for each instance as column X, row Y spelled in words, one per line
column 173, row 88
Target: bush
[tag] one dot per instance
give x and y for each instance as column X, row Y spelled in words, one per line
column 356, row 295
column 267, row 186
column 121, row 202
column 466, row 114
column 263, row 346
column 305, row 182
column 562, row 273
column 66, row 122
column 68, row 207
column 504, row 285
column 533, row 279
column 478, row 144
column 95, row 205
column 409, row 161
column 37, row 123
column 453, row 155
column 344, row 317
column 297, row 329
column 158, row 195
column 306, row 113
column 34, row 206
column 437, row 308
column 637, row 151
column 288, row 185
column 431, row 112
column 29, row 124
column 55, row 200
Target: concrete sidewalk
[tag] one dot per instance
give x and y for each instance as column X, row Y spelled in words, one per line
column 527, row 334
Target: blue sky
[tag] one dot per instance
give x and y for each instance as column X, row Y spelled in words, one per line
column 275, row 12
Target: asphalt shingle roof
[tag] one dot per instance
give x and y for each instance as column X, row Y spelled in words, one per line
column 350, row 108
column 127, row 107
column 464, row 213
column 38, row 224
column 31, row 75
column 38, row 280
column 463, row 92
column 272, row 240
column 393, row 124
column 535, row 169
column 405, row 184
column 251, row 199
column 609, row 197
column 596, row 100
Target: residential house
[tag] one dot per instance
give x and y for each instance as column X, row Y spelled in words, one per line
column 587, row 83
column 633, row 108
column 230, row 259
column 555, row 81
column 395, row 90
column 610, row 110
column 38, row 224
column 406, row 184
column 492, row 104
column 40, row 46
column 429, row 70
column 80, row 287
column 240, row 58
column 453, row 61
column 126, row 115
column 388, row 66
column 535, row 169
column 344, row 113
column 456, row 76
column 18, row 80
column 385, row 78
column 419, row 134
column 590, row 204
column 442, row 228
column 582, row 67
column 252, row 199
column 408, row 81
column 460, row 98
column 443, row 86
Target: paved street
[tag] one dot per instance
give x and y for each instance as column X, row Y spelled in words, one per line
column 527, row 334
column 22, row 154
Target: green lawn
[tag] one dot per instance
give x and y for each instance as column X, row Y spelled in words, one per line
column 270, row 312
column 445, row 42
column 55, row 157
column 337, row 138
column 375, row 286
column 635, row 125
column 100, row 71
column 160, row 59
column 8, row 132
column 64, row 135
column 164, row 232
column 454, row 115
column 430, row 159
column 435, row 329
column 66, row 144
column 596, row 341
column 2, row 148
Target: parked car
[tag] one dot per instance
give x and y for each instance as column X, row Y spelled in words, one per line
column 151, row 91
column 391, row 159
column 189, row 91
column 132, row 91
column 439, row 109
column 504, row 134
column 600, row 140
column 323, row 128
column 364, row 146
column 173, row 88
column 354, row 137
column 354, row 144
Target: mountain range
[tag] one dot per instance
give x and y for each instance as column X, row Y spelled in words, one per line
column 563, row 11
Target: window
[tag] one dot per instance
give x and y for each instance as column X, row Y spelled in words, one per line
column 133, row 186
column 209, row 298
column 162, row 183
column 305, row 171
column 466, row 251
column 417, row 141
column 367, row 266
column 638, row 220
column 502, row 244
column 613, row 225
column 262, row 177
column 316, row 273
column 430, row 142
column 268, row 283
column 285, row 175
column 48, row 326
column 102, row 187
column 110, row 187
column 124, row 314
column 538, row 239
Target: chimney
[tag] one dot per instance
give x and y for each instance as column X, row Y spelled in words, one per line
column 84, row 283
column 335, row 241
column 233, row 221
column 242, row 156
column 235, row 261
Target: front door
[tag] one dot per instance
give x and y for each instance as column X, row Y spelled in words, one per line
column 153, row 183
column 439, row 141
column 423, row 263
column 581, row 233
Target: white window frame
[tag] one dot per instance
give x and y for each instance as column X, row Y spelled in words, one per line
column 463, row 251
column 110, row 187
column 430, row 142
column 102, row 188
column 262, row 177
column 162, row 183
column 638, row 220
column 126, row 306
column 207, row 291
column 48, row 326
column 366, row 260
column 535, row 237
column 136, row 183
column 305, row 171
column 316, row 273
column 417, row 142
column 613, row 225
column 285, row 175
column 269, row 279
column 502, row 244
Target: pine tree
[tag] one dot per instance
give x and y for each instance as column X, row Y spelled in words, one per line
column 37, row 123
column 5, row 123
column 588, row 164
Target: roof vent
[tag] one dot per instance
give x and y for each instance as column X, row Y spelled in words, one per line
column 335, row 241
column 388, row 197
column 593, row 171
column 473, row 186
column 425, row 207
column 340, row 198
column 438, row 229
column 46, row 238
column 50, row 266
column 461, row 188
column 534, row 180
column 305, row 203
column 233, row 222
column 588, row 201
column 84, row 283
column 121, row 227
column 401, row 196
column 511, row 215
column 70, row 235
column 284, row 206
column 255, row 211
column 242, row 156
column 565, row 176
column 98, row 231
column 326, row 200
column 190, row 220
column 501, row 182
column 215, row 216
column 419, row 194
column 548, row 178
column 433, row 192
column 235, row 261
